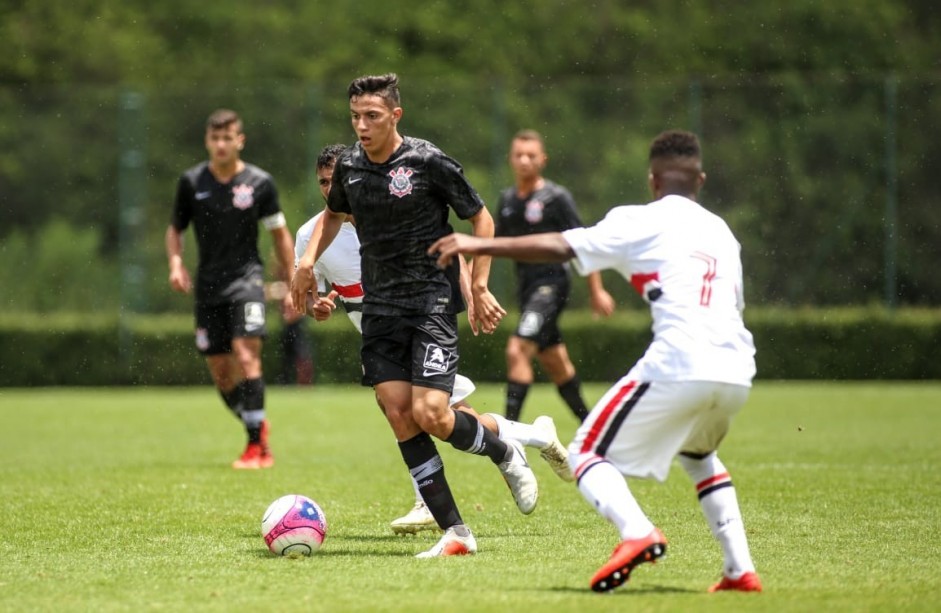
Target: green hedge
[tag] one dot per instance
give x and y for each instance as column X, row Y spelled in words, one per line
column 75, row 349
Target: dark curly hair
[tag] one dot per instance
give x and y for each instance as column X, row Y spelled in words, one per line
column 328, row 156
column 675, row 143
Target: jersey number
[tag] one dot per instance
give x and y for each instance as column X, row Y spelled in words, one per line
column 705, row 293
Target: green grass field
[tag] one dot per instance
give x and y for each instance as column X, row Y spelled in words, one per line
column 119, row 499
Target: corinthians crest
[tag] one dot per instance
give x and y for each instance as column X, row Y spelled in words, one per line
column 243, row 196
column 400, row 185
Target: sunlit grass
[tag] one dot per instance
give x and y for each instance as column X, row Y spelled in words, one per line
column 117, row 499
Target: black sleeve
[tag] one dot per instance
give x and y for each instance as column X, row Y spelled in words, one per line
column 337, row 200
column 270, row 204
column 453, row 187
column 183, row 205
column 567, row 211
column 499, row 225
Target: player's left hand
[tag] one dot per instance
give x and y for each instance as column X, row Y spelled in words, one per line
column 322, row 307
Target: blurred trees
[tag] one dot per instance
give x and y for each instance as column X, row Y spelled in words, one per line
column 790, row 98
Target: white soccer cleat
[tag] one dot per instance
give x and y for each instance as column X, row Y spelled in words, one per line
column 452, row 544
column 520, row 478
column 416, row 520
column 554, row 452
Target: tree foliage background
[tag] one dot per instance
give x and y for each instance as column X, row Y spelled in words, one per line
column 817, row 120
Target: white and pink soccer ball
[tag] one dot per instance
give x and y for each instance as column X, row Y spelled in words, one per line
column 294, row 525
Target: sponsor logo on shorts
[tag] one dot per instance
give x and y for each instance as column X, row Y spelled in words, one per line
column 243, row 196
column 437, row 359
column 530, row 323
column 254, row 316
column 202, row 339
column 401, row 184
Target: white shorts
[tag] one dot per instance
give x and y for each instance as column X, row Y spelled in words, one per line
column 463, row 387
column 639, row 426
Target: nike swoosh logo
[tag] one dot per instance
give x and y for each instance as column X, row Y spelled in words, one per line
column 433, row 373
column 353, row 180
column 203, row 195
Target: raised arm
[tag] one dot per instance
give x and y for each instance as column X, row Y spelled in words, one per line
column 546, row 247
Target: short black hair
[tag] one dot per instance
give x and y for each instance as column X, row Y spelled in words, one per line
column 328, row 155
column 223, row 118
column 675, row 144
column 385, row 86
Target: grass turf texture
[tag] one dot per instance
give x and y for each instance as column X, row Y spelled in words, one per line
column 118, row 499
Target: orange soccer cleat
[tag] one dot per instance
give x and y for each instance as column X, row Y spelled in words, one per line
column 627, row 556
column 749, row 582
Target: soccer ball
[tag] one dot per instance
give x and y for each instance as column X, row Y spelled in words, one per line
column 294, row 525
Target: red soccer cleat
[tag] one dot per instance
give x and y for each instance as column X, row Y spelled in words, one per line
column 749, row 582
column 250, row 458
column 627, row 556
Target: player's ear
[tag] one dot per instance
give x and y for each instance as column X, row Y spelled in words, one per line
column 701, row 180
column 397, row 113
column 652, row 183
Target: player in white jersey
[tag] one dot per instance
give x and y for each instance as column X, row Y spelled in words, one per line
column 680, row 397
column 339, row 276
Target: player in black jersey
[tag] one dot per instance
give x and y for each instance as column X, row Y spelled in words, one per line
column 225, row 198
column 400, row 190
column 533, row 205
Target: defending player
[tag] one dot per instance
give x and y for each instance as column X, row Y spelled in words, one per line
column 400, row 190
column 533, row 205
column 225, row 199
column 680, row 398
column 339, row 278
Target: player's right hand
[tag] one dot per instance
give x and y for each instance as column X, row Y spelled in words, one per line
column 180, row 280
column 303, row 283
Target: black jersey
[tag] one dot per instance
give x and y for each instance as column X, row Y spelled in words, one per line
column 225, row 220
column 401, row 207
column 550, row 208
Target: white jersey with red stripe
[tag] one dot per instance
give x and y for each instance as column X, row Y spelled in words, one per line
column 339, row 264
column 686, row 263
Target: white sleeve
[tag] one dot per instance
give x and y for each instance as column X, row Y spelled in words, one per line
column 273, row 222
column 601, row 246
column 301, row 240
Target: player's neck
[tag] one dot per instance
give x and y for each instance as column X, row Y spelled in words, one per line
column 382, row 156
column 224, row 171
column 526, row 186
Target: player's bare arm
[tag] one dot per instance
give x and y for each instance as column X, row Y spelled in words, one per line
column 465, row 279
column 546, row 247
column 325, row 230
column 284, row 250
column 487, row 309
column 179, row 277
column 602, row 304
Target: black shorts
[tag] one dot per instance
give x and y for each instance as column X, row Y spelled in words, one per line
column 218, row 324
column 540, row 308
column 421, row 349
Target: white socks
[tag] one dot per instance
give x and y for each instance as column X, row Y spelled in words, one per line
column 526, row 434
column 604, row 487
column 720, row 506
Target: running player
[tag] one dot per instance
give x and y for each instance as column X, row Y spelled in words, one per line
column 680, row 398
column 533, row 205
column 400, row 190
column 339, row 279
column 225, row 199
